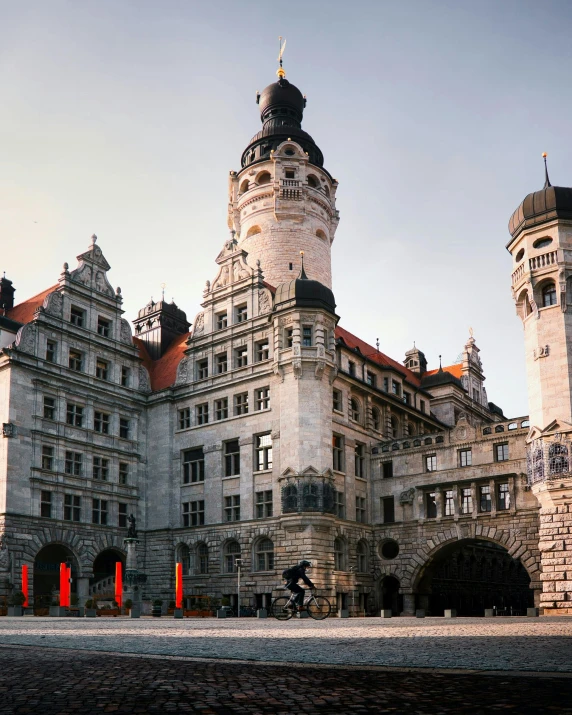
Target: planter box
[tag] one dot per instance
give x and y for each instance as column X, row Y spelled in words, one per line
column 57, row 611
column 90, row 612
column 108, row 612
column 450, row 613
column 15, row 611
column 178, row 613
column 386, row 613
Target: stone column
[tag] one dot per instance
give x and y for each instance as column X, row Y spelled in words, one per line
column 82, row 590
column 131, row 589
column 476, row 498
column 494, row 501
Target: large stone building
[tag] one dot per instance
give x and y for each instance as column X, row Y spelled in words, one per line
column 268, row 432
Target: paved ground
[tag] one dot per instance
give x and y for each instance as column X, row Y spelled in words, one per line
column 500, row 644
column 48, row 681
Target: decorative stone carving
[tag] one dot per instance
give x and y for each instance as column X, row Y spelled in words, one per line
column 53, row 304
column 125, row 334
column 144, row 381
column 278, row 370
column 319, row 370
column 407, row 496
column 182, row 372
column 82, row 275
column 297, row 368
column 199, row 324
column 541, row 351
column 4, row 554
column 264, row 303
column 26, row 339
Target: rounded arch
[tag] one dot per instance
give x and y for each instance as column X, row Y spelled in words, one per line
column 263, row 554
column 321, row 234
column 390, row 596
column 548, row 293
column 524, row 306
column 201, row 558
column 46, row 571
column 313, row 181
column 376, row 419
column 362, row 556
column 183, row 556
column 394, row 427
column 102, row 583
column 263, row 178
column 253, row 231
column 243, row 187
column 340, row 554
column 230, row 551
column 355, row 409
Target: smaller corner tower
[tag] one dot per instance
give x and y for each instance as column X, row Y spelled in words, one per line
column 283, row 200
column 158, row 324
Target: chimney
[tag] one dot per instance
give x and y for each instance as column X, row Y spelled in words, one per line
column 6, row 294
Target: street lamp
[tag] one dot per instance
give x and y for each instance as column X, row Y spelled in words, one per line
column 238, row 564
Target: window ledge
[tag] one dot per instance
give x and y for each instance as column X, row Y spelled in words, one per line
column 264, row 471
column 233, row 476
column 361, row 479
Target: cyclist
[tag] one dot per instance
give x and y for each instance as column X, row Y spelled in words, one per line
column 293, row 575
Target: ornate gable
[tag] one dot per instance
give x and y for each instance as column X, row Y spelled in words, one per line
column 92, row 270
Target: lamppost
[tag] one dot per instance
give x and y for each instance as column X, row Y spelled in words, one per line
column 238, row 564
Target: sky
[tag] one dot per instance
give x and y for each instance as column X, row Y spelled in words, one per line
column 123, row 119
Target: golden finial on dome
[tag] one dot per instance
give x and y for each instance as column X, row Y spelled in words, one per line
column 282, row 46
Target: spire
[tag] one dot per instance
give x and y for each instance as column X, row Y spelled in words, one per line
column 303, row 275
column 546, row 179
column 440, row 365
column 282, row 46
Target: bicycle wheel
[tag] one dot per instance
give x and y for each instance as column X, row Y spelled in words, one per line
column 278, row 608
column 319, row 608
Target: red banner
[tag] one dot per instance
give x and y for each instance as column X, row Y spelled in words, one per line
column 25, row 585
column 179, row 586
column 63, row 585
column 118, row 584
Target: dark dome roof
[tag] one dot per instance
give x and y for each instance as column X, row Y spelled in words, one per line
column 305, row 293
column 441, row 377
column 281, row 94
column 545, row 205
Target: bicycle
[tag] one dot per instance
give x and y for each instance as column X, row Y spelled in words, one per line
column 318, row 607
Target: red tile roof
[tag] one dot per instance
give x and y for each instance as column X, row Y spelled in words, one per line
column 374, row 354
column 455, row 370
column 24, row 312
column 163, row 371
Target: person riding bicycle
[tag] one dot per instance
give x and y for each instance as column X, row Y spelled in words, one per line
column 293, row 575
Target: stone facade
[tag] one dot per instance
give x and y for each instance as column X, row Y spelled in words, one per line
column 270, row 433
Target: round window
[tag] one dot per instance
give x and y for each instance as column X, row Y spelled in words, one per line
column 389, row 549
column 520, row 255
column 542, row 243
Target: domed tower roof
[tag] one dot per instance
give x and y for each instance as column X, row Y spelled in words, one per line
column 281, row 110
column 305, row 293
column 541, row 206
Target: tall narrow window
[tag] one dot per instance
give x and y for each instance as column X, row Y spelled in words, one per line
column 122, row 516
column 125, row 376
column 123, row 473
column 431, row 462
column 231, row 553
column 370, row 378
column 75, row 361
column 337, row 400
column 449, row 503
column 465, row 457
column 49, row 408
column 264, row 504
column 51, row 351
column 241, row 404
column 46, row 504
column 203, row 558
column 486, row 502
column 361, row 510
column 262, row 350
column 264, row 555
column 100, row 468
column 241, row 356
column 193, row 466
column 395, row 388
column 102, row 369
column 307, row 336
column 387, row 468
column 221, row 409
column 185, row 418
column 263, row 448
column 361, row 554
column 340, row 504
column 101, row 422
column 74, row 415
column 232, row 508
column 77, row 317
column 501, row 452
column 202, row 412
column 231, row 458
column 388, row 506
column 431, row 505
column 72, row 507
column 202, row 369
column 221, row 363
column 47, row 457
column 241, row 314
column 359, row 460
column 288, row 337
column 124, row 428
column 221, row 320
column 99, row 511
column 339, row 555
column 262, row 398
column 503, row 497
column 466, row 501
column 338, row 452
column 73, row 463
column 352, row 368
column 103, row 327
column 376, row 419
column 355, row 409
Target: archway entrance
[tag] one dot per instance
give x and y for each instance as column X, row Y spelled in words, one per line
column 102, row 584
column 473, row 575
column 391, row 599
column 47, row 573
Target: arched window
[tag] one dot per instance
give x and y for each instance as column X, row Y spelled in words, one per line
column 394, row 427
column 202, row 558
column 339, row 555
column 252, row 231
column 411, row 429
column 184, row 557
column 355, row 409
column 361, row 553
column 243, row 187
column 231, row 553
column 264, row 555
column 321, row 234
column 310, row 497
column 549, row 295
column 523, row 303
column 263, row 178
column 313, row 182
column 376, row 419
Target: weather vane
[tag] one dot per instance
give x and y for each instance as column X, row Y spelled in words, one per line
column 282, row 46
column 163, row 286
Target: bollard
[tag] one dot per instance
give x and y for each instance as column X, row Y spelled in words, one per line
column 262, row 613
column 532, row 612
column 386, row 613
column 450, row 613
column 221, row 613
column 420, row 613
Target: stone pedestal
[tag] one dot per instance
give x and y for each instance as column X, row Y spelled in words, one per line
column 131, row 588
column 450, row 613
column 408, row 604
column 82, row 583
column 178, row 613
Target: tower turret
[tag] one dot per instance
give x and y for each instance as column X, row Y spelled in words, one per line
column 282, row 201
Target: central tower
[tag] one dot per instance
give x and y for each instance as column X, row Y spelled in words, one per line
column 282, row 201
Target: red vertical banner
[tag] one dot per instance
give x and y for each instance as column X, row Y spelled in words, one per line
column 118, row 584
column 68, row 589
column 25, row 585
column 63, row 584
column 179, row 586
